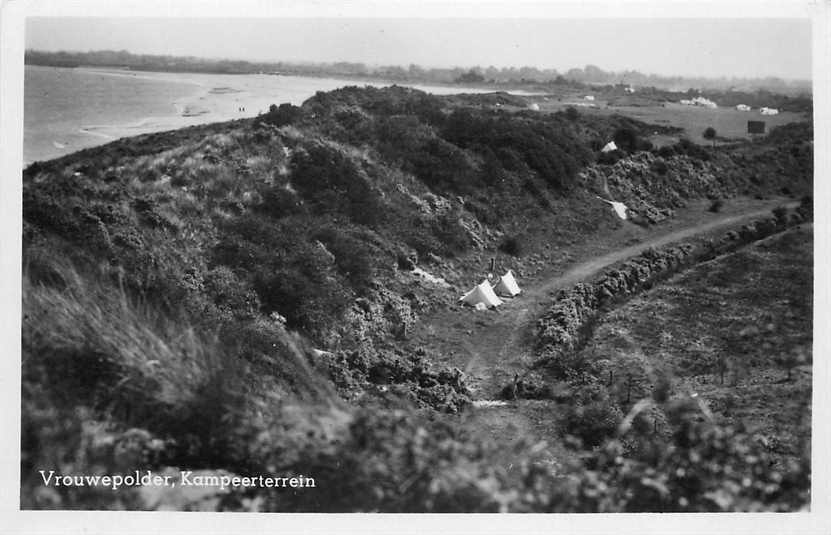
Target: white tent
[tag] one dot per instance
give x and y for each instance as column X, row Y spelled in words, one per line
column 619, row 208
column 609, row 147
column 706, row 103
column 589, row 98
column 769, row 111
column 534, row 106
column 507, row 285
column 743, row 107
column 481, row 294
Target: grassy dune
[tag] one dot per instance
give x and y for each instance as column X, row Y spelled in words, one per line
column 234, row 297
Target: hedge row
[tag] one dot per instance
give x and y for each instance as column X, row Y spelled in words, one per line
column 564, row 326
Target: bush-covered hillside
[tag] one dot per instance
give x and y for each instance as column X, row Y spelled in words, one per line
column 230, row 296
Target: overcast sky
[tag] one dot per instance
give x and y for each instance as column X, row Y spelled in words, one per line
column 690, row 47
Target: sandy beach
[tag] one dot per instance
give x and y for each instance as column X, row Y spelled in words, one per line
column 71, row 109
column 221, row 97
column 215, row 98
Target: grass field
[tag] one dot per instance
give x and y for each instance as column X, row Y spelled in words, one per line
column 728, row 122
column 736, row 332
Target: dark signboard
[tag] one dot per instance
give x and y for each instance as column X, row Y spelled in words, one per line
column 755, row 127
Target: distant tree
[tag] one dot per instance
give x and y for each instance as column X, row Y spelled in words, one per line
column 470, row 77
column 626, row 139
column 572, row 114
column 710, row 133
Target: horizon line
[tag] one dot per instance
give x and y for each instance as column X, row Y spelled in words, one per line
column 463, row 67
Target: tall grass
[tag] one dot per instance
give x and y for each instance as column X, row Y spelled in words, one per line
column 119, row 349
column 86, row 342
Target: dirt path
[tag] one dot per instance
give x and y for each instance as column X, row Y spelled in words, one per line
column 490, row 347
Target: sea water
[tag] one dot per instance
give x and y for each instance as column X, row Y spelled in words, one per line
column 68, row 109
column 64, row 107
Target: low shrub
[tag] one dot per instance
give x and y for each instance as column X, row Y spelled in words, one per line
column 332, row 183
column 511, row 245
column 626, row 139
column 667, row 151
column 282, row 115
column 781, row 215
column 593, row 422
column 448, row 229
column 660, row 167
column 609, row 158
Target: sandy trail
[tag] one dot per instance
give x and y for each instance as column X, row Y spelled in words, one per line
column 491, row 346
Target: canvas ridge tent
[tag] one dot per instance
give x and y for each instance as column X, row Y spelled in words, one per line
column 507, row 285
column 609, row 147
column 481, row 294
column 619, row 208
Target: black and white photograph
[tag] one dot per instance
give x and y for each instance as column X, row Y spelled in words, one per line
column 415, row 258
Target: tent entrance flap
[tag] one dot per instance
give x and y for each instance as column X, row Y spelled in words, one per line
column 507, row 285
column 481, row 294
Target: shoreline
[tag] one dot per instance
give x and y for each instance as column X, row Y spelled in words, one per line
column 215, row 98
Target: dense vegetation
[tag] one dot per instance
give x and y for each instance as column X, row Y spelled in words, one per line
column 231, row 296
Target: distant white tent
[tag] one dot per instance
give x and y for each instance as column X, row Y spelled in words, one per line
column 481, row 294
column 706, row 103
column 609, row 147
column 507, row 285
column 619, row 208
column 743, row 107
column 589, row 98
column 534, row 106
column 769, row 111
column 699, row 101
